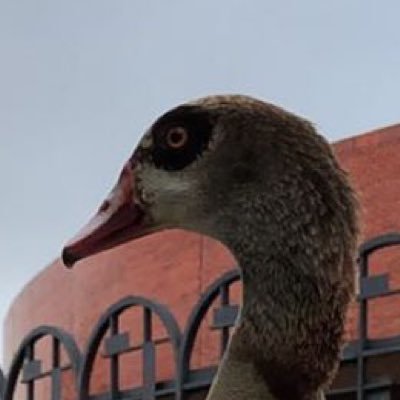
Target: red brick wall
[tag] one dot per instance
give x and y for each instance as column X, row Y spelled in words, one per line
column 373, row 162
column 175, row 268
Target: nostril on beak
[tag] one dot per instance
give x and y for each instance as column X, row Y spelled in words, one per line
column 105, row 206
column 68, row 258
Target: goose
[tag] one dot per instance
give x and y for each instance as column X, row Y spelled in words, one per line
column 263, row 182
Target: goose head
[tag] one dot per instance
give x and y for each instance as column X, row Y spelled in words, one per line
column 262, row 181
column 220, row 166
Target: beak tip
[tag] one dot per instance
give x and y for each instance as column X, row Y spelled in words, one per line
column 68, row 258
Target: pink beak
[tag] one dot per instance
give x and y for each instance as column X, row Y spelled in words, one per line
column 120, row 218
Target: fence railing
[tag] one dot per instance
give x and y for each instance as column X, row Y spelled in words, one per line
column 27, row 368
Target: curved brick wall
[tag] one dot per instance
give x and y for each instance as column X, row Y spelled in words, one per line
column 175, row 267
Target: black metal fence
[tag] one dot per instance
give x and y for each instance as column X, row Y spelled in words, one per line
column 356, row 378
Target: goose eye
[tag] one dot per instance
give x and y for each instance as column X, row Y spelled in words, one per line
column 177, row 137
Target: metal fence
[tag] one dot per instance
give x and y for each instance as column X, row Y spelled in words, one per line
column 109, row 343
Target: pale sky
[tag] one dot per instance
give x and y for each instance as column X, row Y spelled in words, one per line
column 80, row 80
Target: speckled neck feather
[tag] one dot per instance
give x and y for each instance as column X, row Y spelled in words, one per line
column 297, row 283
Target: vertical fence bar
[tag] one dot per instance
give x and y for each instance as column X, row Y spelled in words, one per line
column 224, row 292
column 2, row 384
column 149, row 375
column 56, row 370
column 30, row 386
column 362, row 327
column 114, row 360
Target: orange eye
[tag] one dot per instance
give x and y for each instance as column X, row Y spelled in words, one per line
column 177, row 137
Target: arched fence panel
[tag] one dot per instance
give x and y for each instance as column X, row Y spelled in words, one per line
column 367, row 349
column 223, row 319
column 118, row 343
column 27, row 366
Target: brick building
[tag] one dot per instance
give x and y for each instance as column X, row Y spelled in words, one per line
column 175, row 268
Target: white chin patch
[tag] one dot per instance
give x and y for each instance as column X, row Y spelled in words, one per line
column 163, row 183
column 175, row 186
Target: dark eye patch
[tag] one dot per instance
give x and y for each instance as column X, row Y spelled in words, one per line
column 198, row 125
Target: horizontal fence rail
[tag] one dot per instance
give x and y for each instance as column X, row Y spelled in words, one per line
column 27, row 368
